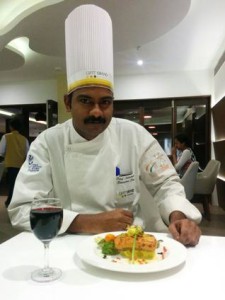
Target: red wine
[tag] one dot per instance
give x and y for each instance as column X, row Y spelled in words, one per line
column 46, row 222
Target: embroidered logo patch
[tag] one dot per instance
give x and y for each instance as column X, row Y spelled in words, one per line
column 157, row 165
column 32, row 165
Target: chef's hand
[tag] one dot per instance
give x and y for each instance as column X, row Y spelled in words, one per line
column 183, row 230
column 115, row 220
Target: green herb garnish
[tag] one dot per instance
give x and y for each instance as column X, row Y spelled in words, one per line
column 134, row 231
column 108, row 248
column 133, row 249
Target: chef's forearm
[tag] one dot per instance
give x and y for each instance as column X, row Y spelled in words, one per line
column 84, row 223
column 114, row 220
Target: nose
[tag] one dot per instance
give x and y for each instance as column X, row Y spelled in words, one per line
column 96, row 111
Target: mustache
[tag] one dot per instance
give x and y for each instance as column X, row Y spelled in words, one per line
column 94, row 120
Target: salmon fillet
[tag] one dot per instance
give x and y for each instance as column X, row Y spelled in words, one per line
column 145, row 242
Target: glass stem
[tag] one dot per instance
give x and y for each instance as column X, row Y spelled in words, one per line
column 46, row 269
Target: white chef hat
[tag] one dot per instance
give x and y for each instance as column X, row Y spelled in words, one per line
column 89, row 48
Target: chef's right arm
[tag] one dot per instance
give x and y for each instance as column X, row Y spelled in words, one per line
column 35, row 181
column 114, row 220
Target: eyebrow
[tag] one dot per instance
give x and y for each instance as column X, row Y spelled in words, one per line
column 90, row 97
column 83, row 95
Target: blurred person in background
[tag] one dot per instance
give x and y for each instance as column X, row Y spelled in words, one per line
column 13, row 149
column 182, row 154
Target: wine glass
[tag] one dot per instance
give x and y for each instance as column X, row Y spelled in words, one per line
column 46, row 217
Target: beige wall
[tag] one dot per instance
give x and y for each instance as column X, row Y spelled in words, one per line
column 27, row 92
column 63, row 115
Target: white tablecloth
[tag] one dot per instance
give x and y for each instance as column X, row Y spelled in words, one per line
column 202, row 276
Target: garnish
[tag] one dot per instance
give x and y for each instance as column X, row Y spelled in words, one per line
column 107, row 245
column 134, row 231
column 133, row 250
column 134, row 245
column 109, row 237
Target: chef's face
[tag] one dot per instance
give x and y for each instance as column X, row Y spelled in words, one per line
column 91, row 109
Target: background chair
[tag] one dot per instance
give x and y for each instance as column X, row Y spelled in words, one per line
column 205, row 183
column 189, row 179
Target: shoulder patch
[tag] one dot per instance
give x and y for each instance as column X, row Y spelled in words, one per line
column 32, row 165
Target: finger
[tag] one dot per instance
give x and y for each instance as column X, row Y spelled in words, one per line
column 194, row 238
column 182, row 233
column 127, row 213
column 125, row 226
column 174, row 231
column 189, row 236
column 128, row 221
column 128, row 217
column 184, row 239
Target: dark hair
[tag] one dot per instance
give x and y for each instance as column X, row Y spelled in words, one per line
column 182, row 138
column 15, row 123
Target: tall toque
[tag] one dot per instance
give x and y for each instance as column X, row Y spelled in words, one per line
column 89, row 48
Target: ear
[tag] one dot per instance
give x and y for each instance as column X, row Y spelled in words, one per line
column 67, row 102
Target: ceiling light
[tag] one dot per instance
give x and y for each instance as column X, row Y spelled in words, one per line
column 151, row 127
column 6, row 113
column 35, row 121
column 139, row 61
column 10, row 114
column 147, row 117
column 21, row 45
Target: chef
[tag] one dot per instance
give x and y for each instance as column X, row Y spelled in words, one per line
column 96, row 163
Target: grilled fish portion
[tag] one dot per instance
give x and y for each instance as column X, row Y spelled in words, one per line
column 145, row 242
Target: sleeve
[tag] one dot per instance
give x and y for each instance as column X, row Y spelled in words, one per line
column 186, row 155
column 163, row 183
column 3, row 146
column 34, row 181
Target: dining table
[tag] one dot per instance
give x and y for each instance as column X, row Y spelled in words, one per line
column 201, row 275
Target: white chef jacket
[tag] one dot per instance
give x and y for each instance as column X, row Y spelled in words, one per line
column 98, row 175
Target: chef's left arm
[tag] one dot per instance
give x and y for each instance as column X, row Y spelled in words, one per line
column 162, row 181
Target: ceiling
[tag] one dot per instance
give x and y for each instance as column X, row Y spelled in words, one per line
column 168, row 35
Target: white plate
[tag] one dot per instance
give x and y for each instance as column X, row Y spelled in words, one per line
column 89, row 252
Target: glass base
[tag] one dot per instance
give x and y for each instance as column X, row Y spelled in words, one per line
column 46, row 275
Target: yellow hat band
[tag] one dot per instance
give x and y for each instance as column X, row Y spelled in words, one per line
column 90, row 82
